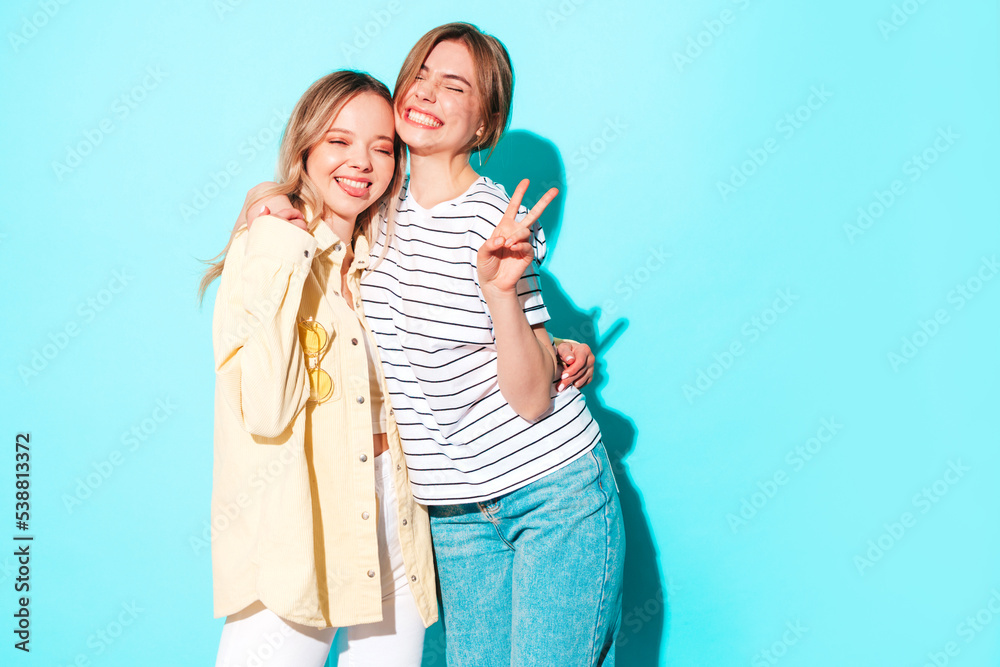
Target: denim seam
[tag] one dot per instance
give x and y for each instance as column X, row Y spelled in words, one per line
column 607, row 563
column 496, row 525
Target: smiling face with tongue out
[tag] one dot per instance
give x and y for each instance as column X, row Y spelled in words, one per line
column 353, row 164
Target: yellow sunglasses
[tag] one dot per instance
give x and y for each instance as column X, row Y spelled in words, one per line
column 314, row 340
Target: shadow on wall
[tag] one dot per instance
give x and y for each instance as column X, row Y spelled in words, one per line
column 645, row 607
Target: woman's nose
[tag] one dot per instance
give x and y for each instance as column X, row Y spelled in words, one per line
column 359, row 158
column 425, row 90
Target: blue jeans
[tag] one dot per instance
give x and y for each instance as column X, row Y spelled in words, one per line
column 534, row 577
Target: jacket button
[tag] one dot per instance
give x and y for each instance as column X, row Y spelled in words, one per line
column 361, row 399
column 371, row 573
column 413, row 578
column 363, row 457
column 337, row 247
column 354, row 341
column 364, row 515
column 305, row 252
column 404, row 522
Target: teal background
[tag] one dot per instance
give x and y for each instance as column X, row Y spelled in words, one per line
column 649, row 262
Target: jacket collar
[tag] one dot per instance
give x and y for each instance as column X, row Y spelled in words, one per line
column 328, row 241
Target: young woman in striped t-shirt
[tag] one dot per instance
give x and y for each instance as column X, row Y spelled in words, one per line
column 524, row 509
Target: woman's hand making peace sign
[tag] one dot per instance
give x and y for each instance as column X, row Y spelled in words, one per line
column 504, row 257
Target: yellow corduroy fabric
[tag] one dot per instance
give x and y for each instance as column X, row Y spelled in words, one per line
column 293, row 485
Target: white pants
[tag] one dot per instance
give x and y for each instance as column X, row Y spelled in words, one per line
column 257, row 637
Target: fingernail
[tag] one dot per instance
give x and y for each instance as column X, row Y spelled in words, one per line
column 570, row 359
column 565, row 375
column 560, row 388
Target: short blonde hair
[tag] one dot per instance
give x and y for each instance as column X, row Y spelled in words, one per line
column 494, row 76
column 306, row 127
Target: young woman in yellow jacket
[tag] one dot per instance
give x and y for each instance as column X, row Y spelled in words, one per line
column 314, row 524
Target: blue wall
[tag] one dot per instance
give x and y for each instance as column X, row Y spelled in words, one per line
column 779, row 227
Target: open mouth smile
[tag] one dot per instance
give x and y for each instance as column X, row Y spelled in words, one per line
column 424, row 120
column 353, row 187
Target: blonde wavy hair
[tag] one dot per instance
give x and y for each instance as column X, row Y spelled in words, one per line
column 306, row 127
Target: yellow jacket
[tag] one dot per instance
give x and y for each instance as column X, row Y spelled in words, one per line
column 293, row 483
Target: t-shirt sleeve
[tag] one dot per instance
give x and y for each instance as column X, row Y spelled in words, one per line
column 529, row 291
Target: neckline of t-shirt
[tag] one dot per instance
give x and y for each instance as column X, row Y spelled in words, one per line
column 448, row 202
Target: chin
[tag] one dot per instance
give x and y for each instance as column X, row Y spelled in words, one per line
column 414, row 138
column 410, row 140
column 344, row 209
column 424, row 147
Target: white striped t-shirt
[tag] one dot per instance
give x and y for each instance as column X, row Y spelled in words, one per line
column 463, row 442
